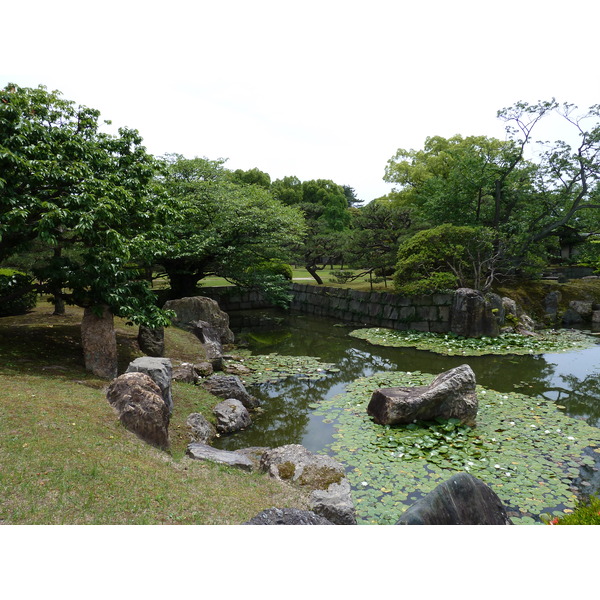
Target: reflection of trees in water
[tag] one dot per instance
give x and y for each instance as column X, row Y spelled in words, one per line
column 581, row 397
column 287, row 413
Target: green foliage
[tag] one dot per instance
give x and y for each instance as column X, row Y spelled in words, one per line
column 587, row 512
column 452, row 344
column 83, row 197
column 223, row 228
column 16, row 293
column 446, row 257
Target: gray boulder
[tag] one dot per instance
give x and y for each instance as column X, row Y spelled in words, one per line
column 295, row 464
column 141, row 408
column 211, row 341
column 151, row 341
column 287, row 516
column 451, row 395
column 159, row 370
column 462, row 500
column 198, row 308
column 185, row 373
column 335, row 503
column 200, row 429
column 230, row 386
column 472, row 314
column 232, row 416
column 552, row 303
column 224, row 457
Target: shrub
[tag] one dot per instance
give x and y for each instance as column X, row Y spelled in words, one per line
column 16, row 294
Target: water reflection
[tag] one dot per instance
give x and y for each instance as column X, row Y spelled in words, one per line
column 571, row 379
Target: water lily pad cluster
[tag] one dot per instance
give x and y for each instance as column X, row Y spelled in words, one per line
column 524, row 448
column 267, row 368
column 451, row 344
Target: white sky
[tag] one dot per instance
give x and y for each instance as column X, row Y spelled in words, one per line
column 324, row 89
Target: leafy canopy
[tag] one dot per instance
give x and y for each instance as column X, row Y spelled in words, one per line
column 85, row 197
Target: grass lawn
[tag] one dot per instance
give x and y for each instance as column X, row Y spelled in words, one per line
column 66, row 459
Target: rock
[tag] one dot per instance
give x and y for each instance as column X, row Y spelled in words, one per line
column 335, row 503
column 584, row 309
column 232, row 416
column 198, row 308
column 200, row 429
column 471, row 314
column 141, row 408
column 224, row 457
column 151, row 341
column 203, row 369
column 287, row 516
column 160, row 371
column 210, row 338
column 295, row 464
column 99, row 343
column 451, row 395
column 596, row 316
column 185, row 373
column 552, row 303
column 462, row 500
column 571, row 317
column 525, row 326
column 254, row 453
column 230, row 386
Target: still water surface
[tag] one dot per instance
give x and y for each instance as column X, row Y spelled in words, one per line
column 571, row 379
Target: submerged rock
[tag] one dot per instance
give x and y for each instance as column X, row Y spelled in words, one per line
column 451, row 395
column 462, row 500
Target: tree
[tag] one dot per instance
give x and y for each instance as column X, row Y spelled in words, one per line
column 224, row 228
column 526, row 197
column 375, row 234
column 325, row 206
column 446, row 257
column 84, row 197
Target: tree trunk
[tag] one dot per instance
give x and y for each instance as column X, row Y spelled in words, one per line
column 99, row 343
column 312, row 269
column 183, row 285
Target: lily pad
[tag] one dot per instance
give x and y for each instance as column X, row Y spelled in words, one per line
column 451, row 344
column 530, row 470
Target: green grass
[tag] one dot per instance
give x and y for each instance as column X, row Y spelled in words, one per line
column 66, row 459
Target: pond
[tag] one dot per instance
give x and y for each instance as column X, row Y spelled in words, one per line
column 292, row 408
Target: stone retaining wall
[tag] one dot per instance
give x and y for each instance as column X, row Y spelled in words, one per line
column 375, row 309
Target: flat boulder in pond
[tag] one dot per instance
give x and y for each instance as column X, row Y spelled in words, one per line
column 462, row 500
column 287, row 516
column 451, row 395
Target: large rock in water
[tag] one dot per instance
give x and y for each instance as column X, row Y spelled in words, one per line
column 451, row 395
column 462, row 500
column 139, row 403
column 472, row 314
column 99, row 343
column 159, row 370
column 198, row 308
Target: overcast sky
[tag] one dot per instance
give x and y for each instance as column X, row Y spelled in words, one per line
column 322, row 89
